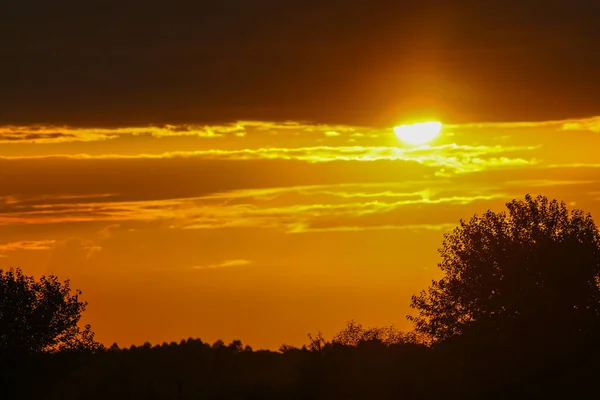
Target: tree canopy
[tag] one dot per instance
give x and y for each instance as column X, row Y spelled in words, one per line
column 534, row 269
column 40, row 316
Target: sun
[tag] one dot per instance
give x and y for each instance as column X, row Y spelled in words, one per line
column 419, row 133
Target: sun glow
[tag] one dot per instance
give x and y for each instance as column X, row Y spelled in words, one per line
column 419, row 133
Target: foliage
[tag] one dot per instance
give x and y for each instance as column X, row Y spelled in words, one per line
column 317, row 342
column 531, row 272
column 355, row 334
column 40, row 316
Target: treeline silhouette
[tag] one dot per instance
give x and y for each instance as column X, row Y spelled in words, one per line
column 372, row 369
column 516, row 314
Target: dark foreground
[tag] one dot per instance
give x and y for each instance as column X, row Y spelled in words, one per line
column 370, row 370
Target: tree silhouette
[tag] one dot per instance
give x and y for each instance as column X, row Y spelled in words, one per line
column 354, row 334
column 40, row 316
column 533, row 272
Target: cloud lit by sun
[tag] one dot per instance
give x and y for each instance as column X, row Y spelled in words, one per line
column 418, row 133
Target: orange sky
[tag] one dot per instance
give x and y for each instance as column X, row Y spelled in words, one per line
column 264, row 231
column 123, row 168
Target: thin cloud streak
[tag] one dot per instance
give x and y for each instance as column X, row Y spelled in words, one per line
column 591, row 124
column 60, row 134
column 452, row 158
column 42, row 134
column 212, row 213
column 442, row 227
column 225, row 264
column 290, row 209
column 30, row 245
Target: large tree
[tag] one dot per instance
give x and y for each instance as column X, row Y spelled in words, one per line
column 533, row 271
column 39, row 316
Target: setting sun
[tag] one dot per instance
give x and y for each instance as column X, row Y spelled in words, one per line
column 419, row 133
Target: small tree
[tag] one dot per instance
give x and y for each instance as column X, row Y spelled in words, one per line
column 535, row 269
column 354, row 334
column 40, row 316
column 316, row 343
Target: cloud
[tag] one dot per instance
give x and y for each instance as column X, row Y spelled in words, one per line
column 107, row 231
column 575, row 165
column 286, row 209
column 588, row 124
column 27, row 245
column 288, row 187
column 76, row 246
column 291, row 209
column 509, row 125
column 59, row 134
column 341, row 190
column 238, row 129
column 30, row 185
column 442, row 227
column 70, row 255
column 225, row 264
column 260, row 62
column 300, row 218
column 451, row 157
column 35, row 137
column 591, row 124
column 51, row 134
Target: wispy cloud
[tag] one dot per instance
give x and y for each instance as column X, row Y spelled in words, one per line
column 224, row 264
column 585, row 124
column 246, row 208
column 300, row 218
column 449, row 158
column 442, row 227
column 50, row 134
column 588, row 124
column 239, row 129
column 57, row 134
column 34, row 245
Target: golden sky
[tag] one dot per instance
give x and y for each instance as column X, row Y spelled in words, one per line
column 264, row 231
column 145, row 153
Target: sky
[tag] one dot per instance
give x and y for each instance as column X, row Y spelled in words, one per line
column 229, row 170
